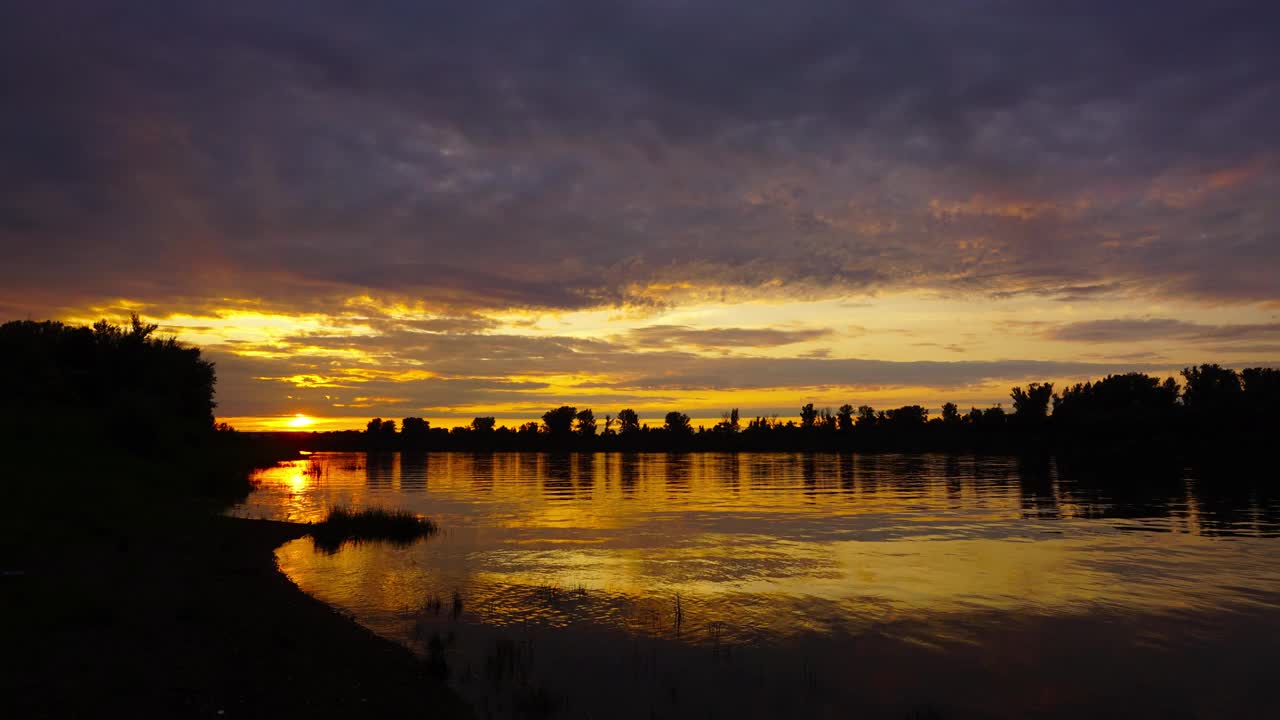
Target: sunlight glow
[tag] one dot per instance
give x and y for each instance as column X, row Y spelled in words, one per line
column 398, row 358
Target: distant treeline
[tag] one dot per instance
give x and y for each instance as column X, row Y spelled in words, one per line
column 108, row 391
column 1214, row 409
column 120, row 404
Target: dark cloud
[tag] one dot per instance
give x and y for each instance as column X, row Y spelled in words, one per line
column 756, row 373
column 720, row 338
column 1144, row 329
column 578, row 153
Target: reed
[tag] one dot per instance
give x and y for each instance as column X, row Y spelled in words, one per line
column 345, row 525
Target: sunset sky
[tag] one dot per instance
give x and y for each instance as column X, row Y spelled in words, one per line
column 447, row 209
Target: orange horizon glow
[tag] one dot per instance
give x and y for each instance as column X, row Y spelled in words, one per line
column 322, row 371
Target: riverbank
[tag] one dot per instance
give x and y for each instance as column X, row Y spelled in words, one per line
column 191, row 618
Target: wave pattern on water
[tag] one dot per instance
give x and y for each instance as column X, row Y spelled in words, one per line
column 920, row 556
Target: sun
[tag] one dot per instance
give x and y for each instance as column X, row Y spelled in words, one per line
column 299, row 420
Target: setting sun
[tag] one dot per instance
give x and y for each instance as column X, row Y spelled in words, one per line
column 299, row 420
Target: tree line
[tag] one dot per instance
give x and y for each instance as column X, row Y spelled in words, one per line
column 121, row 405
column 1212, row 407
column 125, row 391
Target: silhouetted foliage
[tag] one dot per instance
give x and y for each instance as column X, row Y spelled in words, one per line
column 1133, row 398
column 993, row 418
column 1031, row 406
column 729, row 422
column 907, row 416
column 380, row 434
column 677, row 423
column 628, row 421
column 808, row 415
column 950, row 413
column 1261, row 392
column 121, row 384
column 119, row 394
column 844, row 418
column 585, row 423
column 1212, row 390
column 559, row 422
column 414, row 433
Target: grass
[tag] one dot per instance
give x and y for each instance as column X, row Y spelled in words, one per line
column 348, row 525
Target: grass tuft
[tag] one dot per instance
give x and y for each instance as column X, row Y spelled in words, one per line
column 348, row 525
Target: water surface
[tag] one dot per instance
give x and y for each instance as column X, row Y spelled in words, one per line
column 706, row 585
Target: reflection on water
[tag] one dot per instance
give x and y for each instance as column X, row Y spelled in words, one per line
column 705, row 585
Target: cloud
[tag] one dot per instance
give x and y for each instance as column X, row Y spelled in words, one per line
column 720, row 337
column 1144, row 329
column 575, row 154
column 755, row 373
column 460, row 373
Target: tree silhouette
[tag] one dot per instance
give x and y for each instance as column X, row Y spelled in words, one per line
column 1127, row 400
column 844, row 418
column 950, row 414
column 123, row 386
column 378, row 427
column 907, row 416
column 677, row 423
column 993, row 417
column 380, row 434
column 414, row 433
column 1261, row 391
column 1031, row 406
column 729, row 422
column 586, row 423
column 1261, row 381
column 807, row 416
column 1212, row 390
column 414, row 426
column 483, row 425
column 559, row 422
column 628, row 421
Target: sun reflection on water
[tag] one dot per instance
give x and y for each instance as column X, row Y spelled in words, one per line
column 932, row 553
column 918, row 533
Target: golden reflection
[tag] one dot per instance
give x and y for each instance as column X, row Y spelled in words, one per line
column 782, row 544
column 292, row 485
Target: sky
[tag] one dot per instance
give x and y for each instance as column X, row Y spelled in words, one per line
column 445, row 209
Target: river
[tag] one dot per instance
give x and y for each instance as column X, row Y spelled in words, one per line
column 805, row 585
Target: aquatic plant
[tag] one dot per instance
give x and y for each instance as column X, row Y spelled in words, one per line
column 314, row 469
column 347, row 525
column 456, row 611
column 432, row 605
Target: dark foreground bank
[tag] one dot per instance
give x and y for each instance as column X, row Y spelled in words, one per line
column 192, row 621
